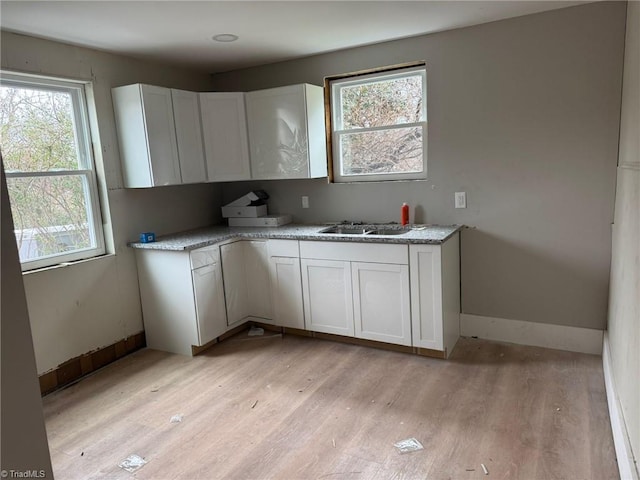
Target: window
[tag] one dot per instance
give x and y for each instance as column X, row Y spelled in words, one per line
column 379, row 125
column 46, row 151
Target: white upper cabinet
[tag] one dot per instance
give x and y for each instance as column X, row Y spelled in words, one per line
column 224, row 126
column 186, row 114
column 286, row 132
column 147, row 135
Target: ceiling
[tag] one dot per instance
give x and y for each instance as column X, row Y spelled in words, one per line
column 179, row 32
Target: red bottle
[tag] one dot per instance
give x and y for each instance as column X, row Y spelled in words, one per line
column 404, row 214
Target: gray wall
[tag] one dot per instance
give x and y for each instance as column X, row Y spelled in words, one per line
column 23, row 441
column 88, row 305
column 624, row 307
column 523, row 116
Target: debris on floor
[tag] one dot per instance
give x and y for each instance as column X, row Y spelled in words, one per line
column 254, row 404
column 176, row 418
column 132, row 463
column 484, row 469
column 408, row 445
column 333, row 440
column 255, row 331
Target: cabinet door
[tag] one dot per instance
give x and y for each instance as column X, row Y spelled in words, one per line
column 381, row 302
column 209, row 296
column 286, row 287
column 186, row 115
column 327, row 296
column 426, row 296
column 258, row 282
column 161, row 135
column 146, row 135
column 235, row 283
column 277, row 122
column 168, row 307
column 224, row 126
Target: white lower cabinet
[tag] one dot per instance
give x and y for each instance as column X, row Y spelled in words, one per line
column 182, row 298
column 357, row 290
column 209, row 296
column 286, row 283
column 327, row 294
column 381, row 302
column 235, row 283
column 247, row 286
column 393, row 293
column 435, row 295
column 258, row 280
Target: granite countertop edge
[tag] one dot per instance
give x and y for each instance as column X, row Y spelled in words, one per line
column 203, row 237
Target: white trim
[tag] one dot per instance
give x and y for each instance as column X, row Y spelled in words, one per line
column 86, row 164
column 338, row 131
column 624, row 454
column 560, row 337
column 629, row 166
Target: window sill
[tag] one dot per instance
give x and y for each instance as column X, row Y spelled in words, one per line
column 360, row 182
column 68, row 264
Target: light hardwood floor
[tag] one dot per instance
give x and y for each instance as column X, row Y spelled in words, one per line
column 302, row 408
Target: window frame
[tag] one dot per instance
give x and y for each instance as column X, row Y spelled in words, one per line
column 335, row 131
column 86, row 165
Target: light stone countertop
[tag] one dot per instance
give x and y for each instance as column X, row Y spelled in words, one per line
column 202, row 237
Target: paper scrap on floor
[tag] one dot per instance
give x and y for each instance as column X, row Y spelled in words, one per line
column 408, row 445
column 132, row 463
column 256, row 331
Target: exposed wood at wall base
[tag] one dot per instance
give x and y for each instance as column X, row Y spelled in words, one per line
column 233, row 331
column 622, row 444
column 77, row 367
column 266, row 326
column 428, row 352
column 560, row 337
column 297, row 331
column 197, row 350
column 425, row 352
column 363, row 342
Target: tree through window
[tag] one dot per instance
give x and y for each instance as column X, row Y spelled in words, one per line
column 379, row 126
column 44, row 140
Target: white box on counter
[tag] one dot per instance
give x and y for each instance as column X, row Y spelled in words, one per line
column 266, row 221
column 244, row 212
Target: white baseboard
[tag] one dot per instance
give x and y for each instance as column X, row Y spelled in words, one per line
column 559, row 337
column 624, row 455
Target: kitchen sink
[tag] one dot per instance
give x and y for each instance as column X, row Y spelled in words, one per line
column 364, row 230
column 341, row 230
column 390, row 231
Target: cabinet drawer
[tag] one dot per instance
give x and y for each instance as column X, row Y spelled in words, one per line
column 205, row 256
column 283, row 248
column 355, row 252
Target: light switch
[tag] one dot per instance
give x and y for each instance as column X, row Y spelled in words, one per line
column 461, row 200
column 305, row 201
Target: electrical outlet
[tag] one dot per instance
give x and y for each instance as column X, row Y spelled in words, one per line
column 461, row 200
column 305, row 201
